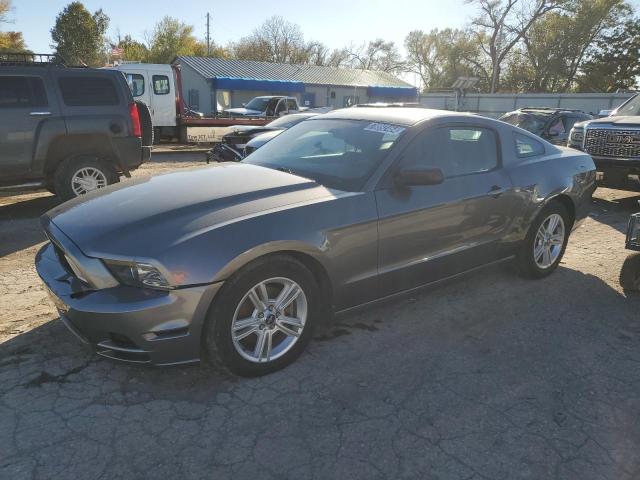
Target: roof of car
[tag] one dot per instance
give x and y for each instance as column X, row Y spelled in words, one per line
column 400, row 116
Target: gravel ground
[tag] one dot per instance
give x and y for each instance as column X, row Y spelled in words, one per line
column 491, row 376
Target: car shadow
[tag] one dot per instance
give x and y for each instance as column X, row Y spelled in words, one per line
column 23, row 216
column 454, row 315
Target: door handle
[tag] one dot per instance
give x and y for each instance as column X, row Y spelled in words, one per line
column 496, row 190
column 40, row 114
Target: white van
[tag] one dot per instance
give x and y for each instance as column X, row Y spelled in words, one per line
column 155, row 85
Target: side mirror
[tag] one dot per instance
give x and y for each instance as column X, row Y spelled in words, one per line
column 605, row 113
column 426, row 176
column 244, row 104
column 553, row 134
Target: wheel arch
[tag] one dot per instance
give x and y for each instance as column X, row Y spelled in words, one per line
column 308, row 255
column 78, row 145
column 566, row 201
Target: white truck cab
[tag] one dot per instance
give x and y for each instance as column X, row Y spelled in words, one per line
column 155, row 85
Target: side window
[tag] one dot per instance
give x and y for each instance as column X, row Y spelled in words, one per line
column 455, row 150
column 136, row 83
column 291, row 104
column 557, row 127
column 17, row 92
column 86, row 91
column 527, row 146
column 160, row 84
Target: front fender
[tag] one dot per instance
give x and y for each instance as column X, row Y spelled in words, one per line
column 271, row 248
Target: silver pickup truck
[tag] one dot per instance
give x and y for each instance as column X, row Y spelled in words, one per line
column 613, row 142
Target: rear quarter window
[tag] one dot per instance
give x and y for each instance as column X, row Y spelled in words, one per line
column 526, row 146
column 85, row 91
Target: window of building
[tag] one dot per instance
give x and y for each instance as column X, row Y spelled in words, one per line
column 160, row 84
column 87, row 91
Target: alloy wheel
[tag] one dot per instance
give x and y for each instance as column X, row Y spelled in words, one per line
column 88, row 179
column 269, row 320
column 549, row 240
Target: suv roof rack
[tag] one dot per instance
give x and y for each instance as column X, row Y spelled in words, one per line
column 33, row 59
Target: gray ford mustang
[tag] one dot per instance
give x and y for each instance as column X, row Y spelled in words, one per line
column 238, row 262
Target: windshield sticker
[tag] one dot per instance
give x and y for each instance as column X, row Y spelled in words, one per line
column 385, row 128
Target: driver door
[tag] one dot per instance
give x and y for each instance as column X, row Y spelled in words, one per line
column 431, row 232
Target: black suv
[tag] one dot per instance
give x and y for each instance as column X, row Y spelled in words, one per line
column 552, row 124
column 72, row 130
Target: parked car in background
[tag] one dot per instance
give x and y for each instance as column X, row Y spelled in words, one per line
column 241, row 261
column 552, row 124
column 266, row 106
column 614, row 144
column 71, row 130
column 232, row 146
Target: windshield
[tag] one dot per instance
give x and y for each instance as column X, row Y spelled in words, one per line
column 339, row 154
column 631, row 107
column 258, row 103
column 287, row 121
column 530, row 123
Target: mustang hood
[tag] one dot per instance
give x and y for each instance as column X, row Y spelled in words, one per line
column 145, row 217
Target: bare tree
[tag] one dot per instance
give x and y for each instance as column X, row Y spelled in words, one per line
column 376, row 55
column 276, row 40
column 502, row 24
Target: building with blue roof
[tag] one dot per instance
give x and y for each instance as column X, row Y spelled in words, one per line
column 214, row 84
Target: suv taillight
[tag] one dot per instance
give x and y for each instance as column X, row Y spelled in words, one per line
column 136, row 129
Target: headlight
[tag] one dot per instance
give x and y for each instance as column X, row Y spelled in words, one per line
column 137, row 274
column 577, row 136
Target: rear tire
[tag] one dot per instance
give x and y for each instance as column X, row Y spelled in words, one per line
column 630, row 274
column 81, row 174
column 541, row 251
column 222, row 344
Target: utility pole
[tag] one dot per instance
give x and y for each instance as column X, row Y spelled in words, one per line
column 208, row 35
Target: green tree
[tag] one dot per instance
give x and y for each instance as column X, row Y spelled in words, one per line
column 171, row 37
column 132, row 49
column 439, row 57
column 78, row 36
column 616, row 62
column 558, row 44
column 10, row 41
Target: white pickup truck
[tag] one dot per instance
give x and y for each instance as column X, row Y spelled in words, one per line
column 267, row 106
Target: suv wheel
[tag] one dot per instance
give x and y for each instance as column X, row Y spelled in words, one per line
column 263, row 318
column 82, row 174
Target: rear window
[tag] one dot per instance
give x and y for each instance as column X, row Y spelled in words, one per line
column 88, row 91
column 16, row 92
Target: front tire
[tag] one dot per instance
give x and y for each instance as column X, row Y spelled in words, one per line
column 263, row 318
column 82, row 174
column 545, row 243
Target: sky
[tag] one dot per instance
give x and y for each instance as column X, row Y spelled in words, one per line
column 336, row 23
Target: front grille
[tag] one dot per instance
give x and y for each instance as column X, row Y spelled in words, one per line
column 612, row 142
